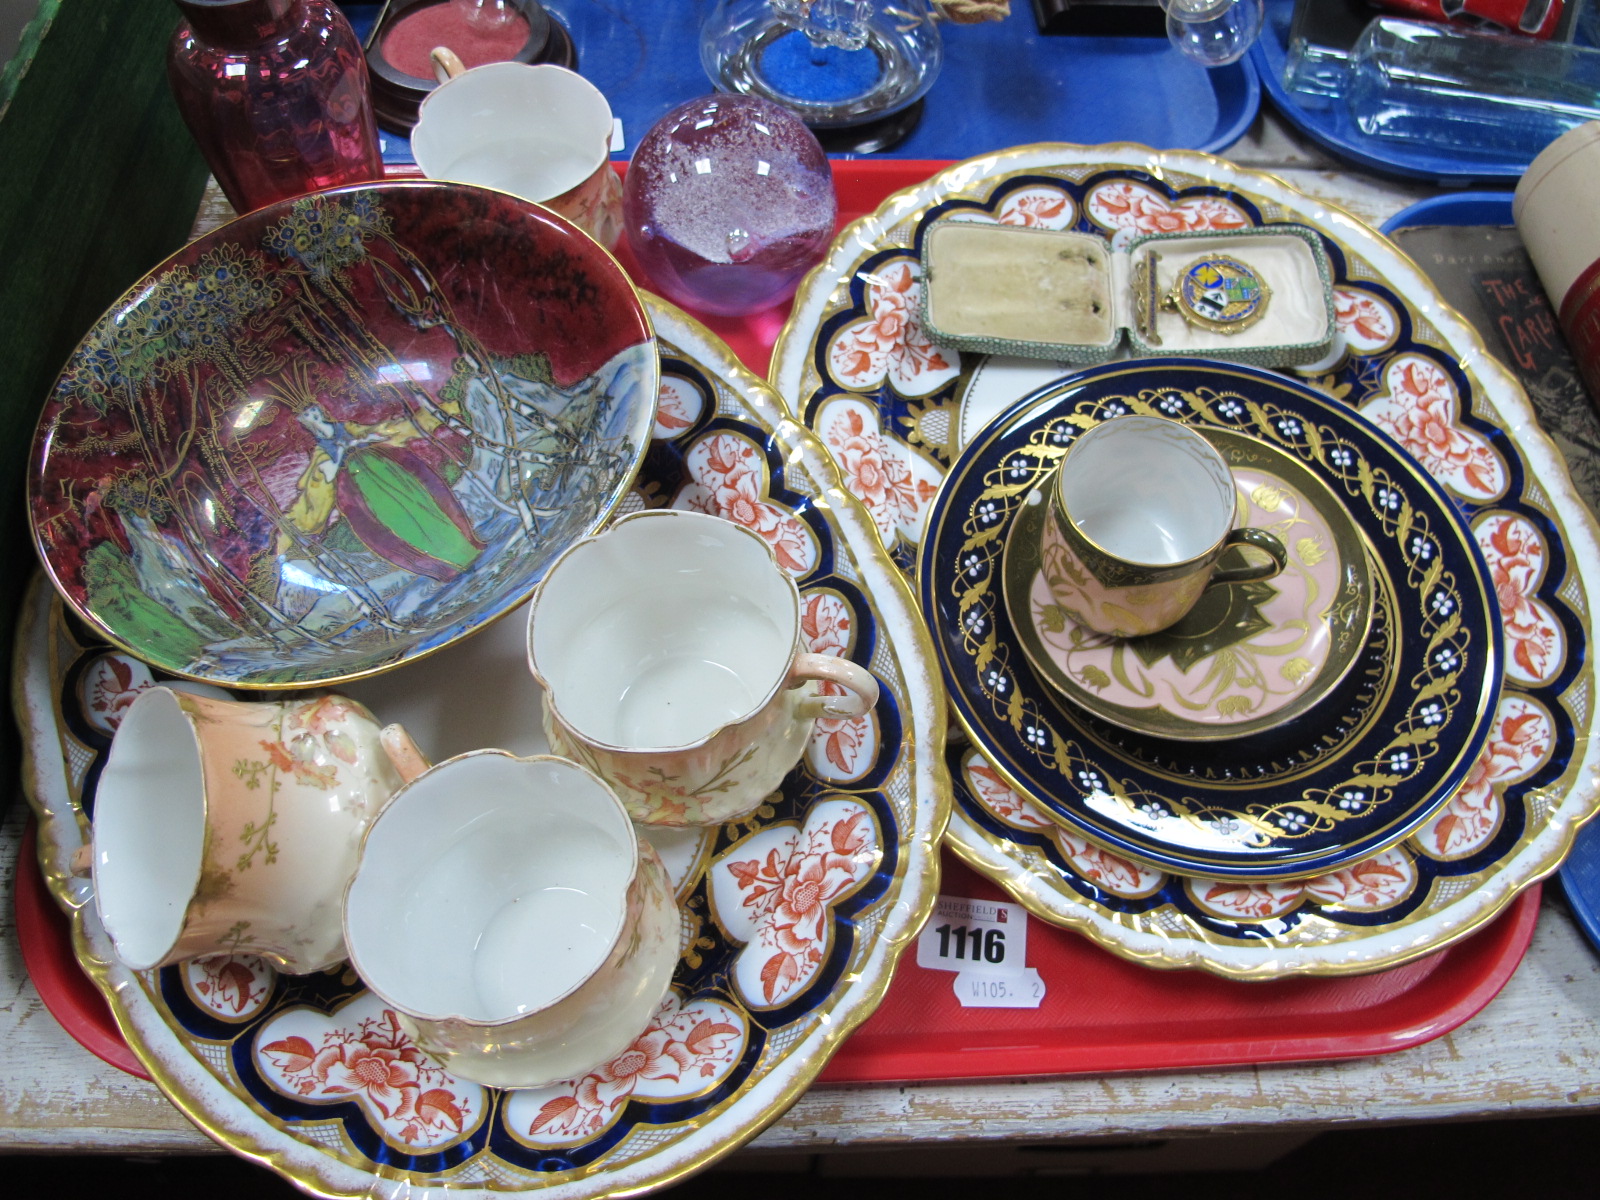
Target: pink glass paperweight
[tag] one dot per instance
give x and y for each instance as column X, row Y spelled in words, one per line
column 728, row 202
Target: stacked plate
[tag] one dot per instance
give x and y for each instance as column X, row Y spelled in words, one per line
column 1350, row 766
column 1282, row 729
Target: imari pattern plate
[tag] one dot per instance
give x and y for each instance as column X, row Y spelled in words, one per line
column 1344, row 780
column 341, row 432
column 856, row 365
column 792, row 919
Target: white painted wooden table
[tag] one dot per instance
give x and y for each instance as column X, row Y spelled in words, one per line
column 1534, row 1051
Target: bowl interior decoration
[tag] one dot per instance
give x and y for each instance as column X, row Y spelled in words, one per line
column 341, row 432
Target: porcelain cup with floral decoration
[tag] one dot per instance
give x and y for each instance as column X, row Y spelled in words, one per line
column 1141, row 511
column 668, row 647
column 509, row 913
column 538, row 131
column 226, row 826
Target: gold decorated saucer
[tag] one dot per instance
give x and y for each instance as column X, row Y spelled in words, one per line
column 1248, row 657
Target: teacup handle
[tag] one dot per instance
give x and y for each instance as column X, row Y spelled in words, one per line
column 861, row 689
column 1277, row 557
column 402, row 751
column 447, row 63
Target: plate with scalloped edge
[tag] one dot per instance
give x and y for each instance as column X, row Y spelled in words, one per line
column 854, row 364
column 286, row 1070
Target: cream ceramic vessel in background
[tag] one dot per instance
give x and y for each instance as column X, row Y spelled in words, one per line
column 1558, row 217
column 229, row 826
column 541, row 132
column 508, row 912
column 1141, row 509
column 668, row 648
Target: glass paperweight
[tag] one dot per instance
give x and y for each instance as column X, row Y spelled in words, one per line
column 1468, row 91
column 728, row 201
column 845, row 66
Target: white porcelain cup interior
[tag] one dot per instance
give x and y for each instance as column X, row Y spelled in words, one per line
column 663, row 630
column 536, row 131
column 1146, row 490
column 149, row 829
column 490, row 887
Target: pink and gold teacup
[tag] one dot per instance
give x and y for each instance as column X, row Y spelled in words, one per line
column 1141, row 510
column 669, row 651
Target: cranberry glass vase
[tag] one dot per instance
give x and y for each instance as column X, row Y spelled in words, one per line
column 275, row 92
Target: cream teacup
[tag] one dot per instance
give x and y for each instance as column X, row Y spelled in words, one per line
column 668, row 648
column 508, row 912
column 223, row 826
column 1141, row 510
column 541, row 132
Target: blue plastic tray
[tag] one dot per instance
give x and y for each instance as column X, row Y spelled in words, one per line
column 1332, row 128
column 1002, row 84
column 1579, row 876
column 1457, row 208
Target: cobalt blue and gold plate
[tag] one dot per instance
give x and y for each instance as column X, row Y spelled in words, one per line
column 1347, row 778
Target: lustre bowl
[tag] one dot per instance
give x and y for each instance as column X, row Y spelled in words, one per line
column 341, row 432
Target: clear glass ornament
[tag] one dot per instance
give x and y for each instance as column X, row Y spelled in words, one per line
column 836, row 63
column 1213, row 32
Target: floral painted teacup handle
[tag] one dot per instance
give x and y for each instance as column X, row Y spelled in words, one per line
column 402, row 751
column 861, row 689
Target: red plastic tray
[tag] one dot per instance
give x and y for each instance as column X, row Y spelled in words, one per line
column 44, row 934
column 1100, row 1014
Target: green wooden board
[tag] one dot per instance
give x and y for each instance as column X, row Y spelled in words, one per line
column 99, row 180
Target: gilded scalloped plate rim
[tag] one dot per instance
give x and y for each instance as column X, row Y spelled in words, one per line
column 371, row 338
column 914, row 797
column 1347, row 625
column 1458, row 898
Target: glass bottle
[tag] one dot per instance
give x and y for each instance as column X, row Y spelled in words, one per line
column 275, row 92
column 1466, row 91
